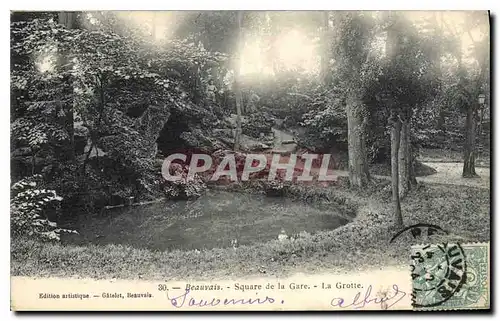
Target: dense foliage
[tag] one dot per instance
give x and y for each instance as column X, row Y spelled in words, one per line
column 98, row 99
column 30, row 207
column 90, row 104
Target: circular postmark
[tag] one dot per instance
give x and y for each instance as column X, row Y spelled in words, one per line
column 438, row 271
column 419, row 231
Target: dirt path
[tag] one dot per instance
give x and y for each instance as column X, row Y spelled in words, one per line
column 451, row 174
column 280, row 137
column 447, row 173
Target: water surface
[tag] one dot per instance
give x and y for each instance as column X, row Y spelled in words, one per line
column 210, row 221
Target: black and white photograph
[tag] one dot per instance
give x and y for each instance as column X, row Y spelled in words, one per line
column 250, row 160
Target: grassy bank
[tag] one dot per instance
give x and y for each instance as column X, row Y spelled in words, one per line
column 360, row 244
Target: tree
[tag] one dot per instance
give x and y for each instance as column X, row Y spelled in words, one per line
column 480, row 52
column 122, row 94
column 410, row 79
column 472, row 80
column 407, row 83
column 355, row 68
column 325, row 73
column 395, row 124
column 69, row 20
column 40, row 113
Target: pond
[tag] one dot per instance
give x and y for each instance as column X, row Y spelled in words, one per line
column 212, row 221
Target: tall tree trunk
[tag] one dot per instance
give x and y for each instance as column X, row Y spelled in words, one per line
column 413, row 160
column 325, row 43
column 237, row 138
column 441, row 120
column 438, row 72
column 406, row 160
column 358, row 164
column 237, row 89
column 69, row 20
column 395, row 141
column 469, row 169
column 480, row 139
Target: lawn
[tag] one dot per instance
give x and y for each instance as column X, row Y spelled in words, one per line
column 362, row 243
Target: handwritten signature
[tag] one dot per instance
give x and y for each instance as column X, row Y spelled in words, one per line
column 386, row 301
column 358, row 301
column 183, row 300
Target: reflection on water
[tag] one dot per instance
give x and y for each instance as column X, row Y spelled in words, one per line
column 210, row 221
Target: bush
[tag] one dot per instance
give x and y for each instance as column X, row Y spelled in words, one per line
column 29, row 210
column 276, row 188
column 258, row 123
column 325, row 122
column 183, row 189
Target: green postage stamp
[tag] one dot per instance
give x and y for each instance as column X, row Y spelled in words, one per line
column 450, row 276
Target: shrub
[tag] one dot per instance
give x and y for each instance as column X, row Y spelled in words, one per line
column 29, row 207
column 258, row 123
column 183, row 188
column 325, row 123
column 276, row 188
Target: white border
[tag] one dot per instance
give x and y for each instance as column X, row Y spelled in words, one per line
column 197, row 5
column 255, row 5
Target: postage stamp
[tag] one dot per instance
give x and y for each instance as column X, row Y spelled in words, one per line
column 450, row 276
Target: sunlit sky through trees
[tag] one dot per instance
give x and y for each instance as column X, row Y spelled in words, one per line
column 294, row 48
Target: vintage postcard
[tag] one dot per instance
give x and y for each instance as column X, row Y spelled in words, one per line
column 250, row 160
